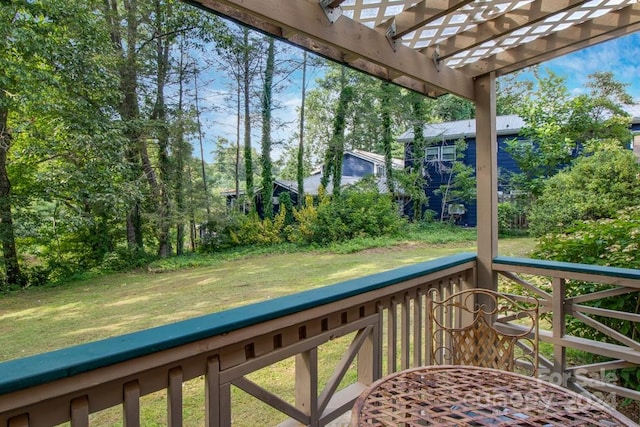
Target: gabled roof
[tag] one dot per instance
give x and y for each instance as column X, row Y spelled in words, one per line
column 436, row 46
column 505, row 125
column 375, row 158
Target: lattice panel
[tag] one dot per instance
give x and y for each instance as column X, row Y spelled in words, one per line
column 463, row 19
column 374, row 13
column 555, row 23
column 480, row 345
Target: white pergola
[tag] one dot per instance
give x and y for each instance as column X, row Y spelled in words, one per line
column 443, row 46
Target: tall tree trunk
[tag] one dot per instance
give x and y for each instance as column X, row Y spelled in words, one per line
column 300, row 168
column 159, row 115
column 418, row 156
column 181, row 156
column 387, row 138
column 248, row 161
column 128, row 108
column 7, row 236
column 337, row 139
column 267, row 170
column 201, row 142
column 237, row 165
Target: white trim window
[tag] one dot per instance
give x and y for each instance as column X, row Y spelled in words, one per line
column 448, row 153
column 444, row 153
column 433, row 154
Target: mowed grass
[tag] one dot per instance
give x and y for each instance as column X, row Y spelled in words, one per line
column 43, row 319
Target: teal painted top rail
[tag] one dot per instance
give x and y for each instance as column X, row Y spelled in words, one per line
column 46, row 367
column 600, row 270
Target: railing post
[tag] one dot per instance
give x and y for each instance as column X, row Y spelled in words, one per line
column 559, row 350
column 487, row 179
column 307, row 384
column 369, row 360
column 213, row 400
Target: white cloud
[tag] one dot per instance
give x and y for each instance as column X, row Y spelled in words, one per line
column 620, row 56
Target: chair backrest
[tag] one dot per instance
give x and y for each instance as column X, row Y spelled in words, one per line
column 484, row 328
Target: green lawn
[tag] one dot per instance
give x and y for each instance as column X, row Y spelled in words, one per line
column 42, row 319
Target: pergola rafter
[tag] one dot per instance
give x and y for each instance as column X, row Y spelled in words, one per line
column 612, row 25
column 436, row 46
column 424, row 13
column 502, row 25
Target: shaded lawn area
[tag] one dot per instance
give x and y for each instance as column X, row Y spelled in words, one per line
column 43, row 319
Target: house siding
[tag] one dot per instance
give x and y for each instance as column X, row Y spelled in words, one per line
column 443, row 134
column 506, row 165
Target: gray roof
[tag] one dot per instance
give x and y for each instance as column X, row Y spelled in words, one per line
column 312, row 184
column 505, row 125
column 376, row 158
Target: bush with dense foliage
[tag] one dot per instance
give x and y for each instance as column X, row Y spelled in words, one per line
column 511, row 218
column 596, row 186
column 609, row 242
column 359, row 211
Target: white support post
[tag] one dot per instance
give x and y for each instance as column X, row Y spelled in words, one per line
column 487, row 179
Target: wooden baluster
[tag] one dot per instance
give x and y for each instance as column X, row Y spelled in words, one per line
column 131, row 404
column 368, row 357
column 392, row 339
column 417, row 328
column 19, row 421
column 307, row 384
column 428, row 330
column 405, row 333
column 80, row 412
column 212, row 393
column 559, row 350
column 174, row 398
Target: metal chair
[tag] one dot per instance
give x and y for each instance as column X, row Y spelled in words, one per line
column 484, row 328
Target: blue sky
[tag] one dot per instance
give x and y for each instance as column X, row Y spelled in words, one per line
column 621, row 56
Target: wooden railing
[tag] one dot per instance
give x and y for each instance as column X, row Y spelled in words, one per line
column 596, row 366
column 382, row 321
column 383, row 315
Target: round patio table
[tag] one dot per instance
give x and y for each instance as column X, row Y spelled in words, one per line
column 474, row 396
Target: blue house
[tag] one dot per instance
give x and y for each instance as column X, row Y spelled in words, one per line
column 441, row 153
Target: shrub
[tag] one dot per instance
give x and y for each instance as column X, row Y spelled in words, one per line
column 254, row 231
column 359, row 211
column 594, row 187
column 216, row 234
column 511, row 218
column 305, row 217
column 610, row 242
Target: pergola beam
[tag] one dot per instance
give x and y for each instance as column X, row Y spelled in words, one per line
column 591, row 32
column 502, row 25
column 345, row 38
column 424, row 13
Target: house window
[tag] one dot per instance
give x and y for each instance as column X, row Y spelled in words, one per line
column 445, row 153
column 433, row 154
column 380, row 170
column 448, row 153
